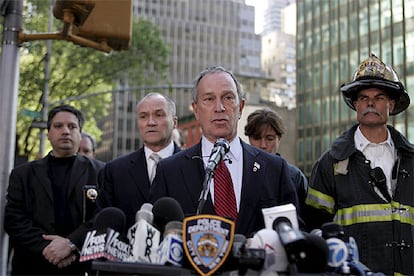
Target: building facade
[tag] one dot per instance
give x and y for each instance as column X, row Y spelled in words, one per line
column 273, row 16
column 333, row 37
column 199, row 33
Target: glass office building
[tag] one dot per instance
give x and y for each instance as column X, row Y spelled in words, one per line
column 333, row 37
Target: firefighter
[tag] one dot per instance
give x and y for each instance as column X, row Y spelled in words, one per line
column 365, row 181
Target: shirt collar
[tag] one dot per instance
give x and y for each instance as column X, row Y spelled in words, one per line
column 164, row 153
column 361, row 142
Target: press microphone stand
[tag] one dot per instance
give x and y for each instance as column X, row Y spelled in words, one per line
column 204, row 193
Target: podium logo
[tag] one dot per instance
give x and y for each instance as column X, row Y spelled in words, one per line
column 207, row 241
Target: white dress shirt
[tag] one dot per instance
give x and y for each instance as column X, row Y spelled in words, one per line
column 381, row 155
column 234, row 162
column 164, row 153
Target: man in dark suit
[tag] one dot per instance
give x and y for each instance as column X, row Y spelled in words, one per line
column 259, row 179
column 125, row 181
column 47, row 203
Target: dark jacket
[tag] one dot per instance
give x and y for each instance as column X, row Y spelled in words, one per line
column 341, row 190
column 29, row 212
column 300, row 182
column 124, row 183
column 265, row 183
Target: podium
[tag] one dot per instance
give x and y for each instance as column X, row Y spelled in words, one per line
column 127, row 268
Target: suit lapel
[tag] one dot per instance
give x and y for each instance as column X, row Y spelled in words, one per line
column 194, row 180
column 249, row 194
column 77, row 174
column 139, row 173
column 40, row 170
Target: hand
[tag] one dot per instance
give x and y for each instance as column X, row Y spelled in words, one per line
column 67, row 261
column 57, row 250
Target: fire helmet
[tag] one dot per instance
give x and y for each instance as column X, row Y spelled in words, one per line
column 372, row 72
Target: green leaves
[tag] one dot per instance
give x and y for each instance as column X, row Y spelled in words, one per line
column 77, row 71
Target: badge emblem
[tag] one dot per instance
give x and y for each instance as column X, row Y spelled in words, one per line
column 207, row 241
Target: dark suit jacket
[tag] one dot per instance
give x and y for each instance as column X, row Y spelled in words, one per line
column 124, row 183
column 29, row 211
column 181, row 177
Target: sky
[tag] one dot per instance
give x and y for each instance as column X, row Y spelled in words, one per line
column 260, row 6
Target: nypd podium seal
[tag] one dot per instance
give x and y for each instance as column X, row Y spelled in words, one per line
column 207, row 241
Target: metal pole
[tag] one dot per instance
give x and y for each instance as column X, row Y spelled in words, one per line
column 45, row 95
column 9, row 81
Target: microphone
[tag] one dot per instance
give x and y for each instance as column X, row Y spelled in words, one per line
column 166, row 209
column 276, row 259
column 171, row 250
column 315, row 254
column 343, row 254
column 306, row 253
column 292, row 239
column 338, row 251
column 109, row 220
column 143, row 236
column 243, row 257
column 299, row 247
column 221, row 147
column 286, row 210
column 116, row 247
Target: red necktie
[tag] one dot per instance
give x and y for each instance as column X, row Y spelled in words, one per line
column 224, row 198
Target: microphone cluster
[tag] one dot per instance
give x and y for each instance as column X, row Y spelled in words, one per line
column 162, row 236
column 105, row 241
column 143, row 242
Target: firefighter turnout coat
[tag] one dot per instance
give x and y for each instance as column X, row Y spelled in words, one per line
column 342, row 191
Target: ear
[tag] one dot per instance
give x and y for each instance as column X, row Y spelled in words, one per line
column 242, row 103
column 195, row 110
column 392, row 104
column 175, row 121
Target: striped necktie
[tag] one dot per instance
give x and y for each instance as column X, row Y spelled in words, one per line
column 156, row 158
column 224, row 197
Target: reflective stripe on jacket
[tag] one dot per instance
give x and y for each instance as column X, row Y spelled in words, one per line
column 345, row 194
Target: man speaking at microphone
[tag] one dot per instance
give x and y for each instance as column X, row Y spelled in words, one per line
column 250, row 179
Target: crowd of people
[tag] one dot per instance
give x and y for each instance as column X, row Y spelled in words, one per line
column 363, row 182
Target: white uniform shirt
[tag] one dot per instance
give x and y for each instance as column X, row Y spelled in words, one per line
column 381, row 155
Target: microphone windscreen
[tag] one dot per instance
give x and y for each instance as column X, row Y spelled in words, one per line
column 332, row 230
column 276, row 258
column 110, row 217
column 316, row 253
column 145, row 213
column 221, row 142
column 316, row 232
column 238, row 242
column 166, row 209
